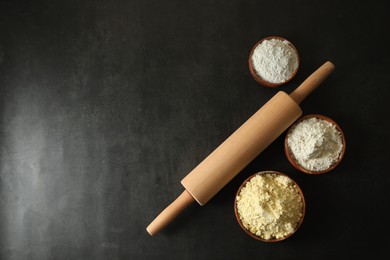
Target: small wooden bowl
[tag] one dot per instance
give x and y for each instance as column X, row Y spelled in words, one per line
column 290, row 156
column 257, row 77
column 255, row 236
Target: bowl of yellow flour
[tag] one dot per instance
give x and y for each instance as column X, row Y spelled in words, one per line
column 269, row 206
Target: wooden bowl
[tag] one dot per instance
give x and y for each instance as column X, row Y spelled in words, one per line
column 257, row 77
column 290, row 156
column 258, row 237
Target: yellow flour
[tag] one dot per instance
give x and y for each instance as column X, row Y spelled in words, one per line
column 270, row 206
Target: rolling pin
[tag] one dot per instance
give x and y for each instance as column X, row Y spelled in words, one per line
column 236, row 152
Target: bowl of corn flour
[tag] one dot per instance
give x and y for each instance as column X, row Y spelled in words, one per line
column 273, row 61
column 269, row 206
column 315, row 144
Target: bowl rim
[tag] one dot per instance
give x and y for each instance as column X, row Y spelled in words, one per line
column 257, row 77
column 290, row 156
column 258, row 237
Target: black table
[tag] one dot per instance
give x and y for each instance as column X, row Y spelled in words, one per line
column 107, row 105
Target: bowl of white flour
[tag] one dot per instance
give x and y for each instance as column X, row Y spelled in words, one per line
column 315, row 144
column 273, row 61
column 269, row 206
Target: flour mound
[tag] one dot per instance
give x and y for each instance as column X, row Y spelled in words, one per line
column 316, row 144
column 275, row 60
column 270, row 206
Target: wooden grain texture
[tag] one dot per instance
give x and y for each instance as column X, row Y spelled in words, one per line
column 170, row 213
column 312, row 82
column 247, row 142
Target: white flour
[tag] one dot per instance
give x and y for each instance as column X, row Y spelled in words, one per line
column 275, row 60
column 315, row 143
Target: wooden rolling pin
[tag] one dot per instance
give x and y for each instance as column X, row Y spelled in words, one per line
column 236, row 152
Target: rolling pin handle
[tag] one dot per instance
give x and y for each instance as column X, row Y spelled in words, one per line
column 312, row 82
column 170, row 213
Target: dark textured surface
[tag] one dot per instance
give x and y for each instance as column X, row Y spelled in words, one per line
column 106, row 105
